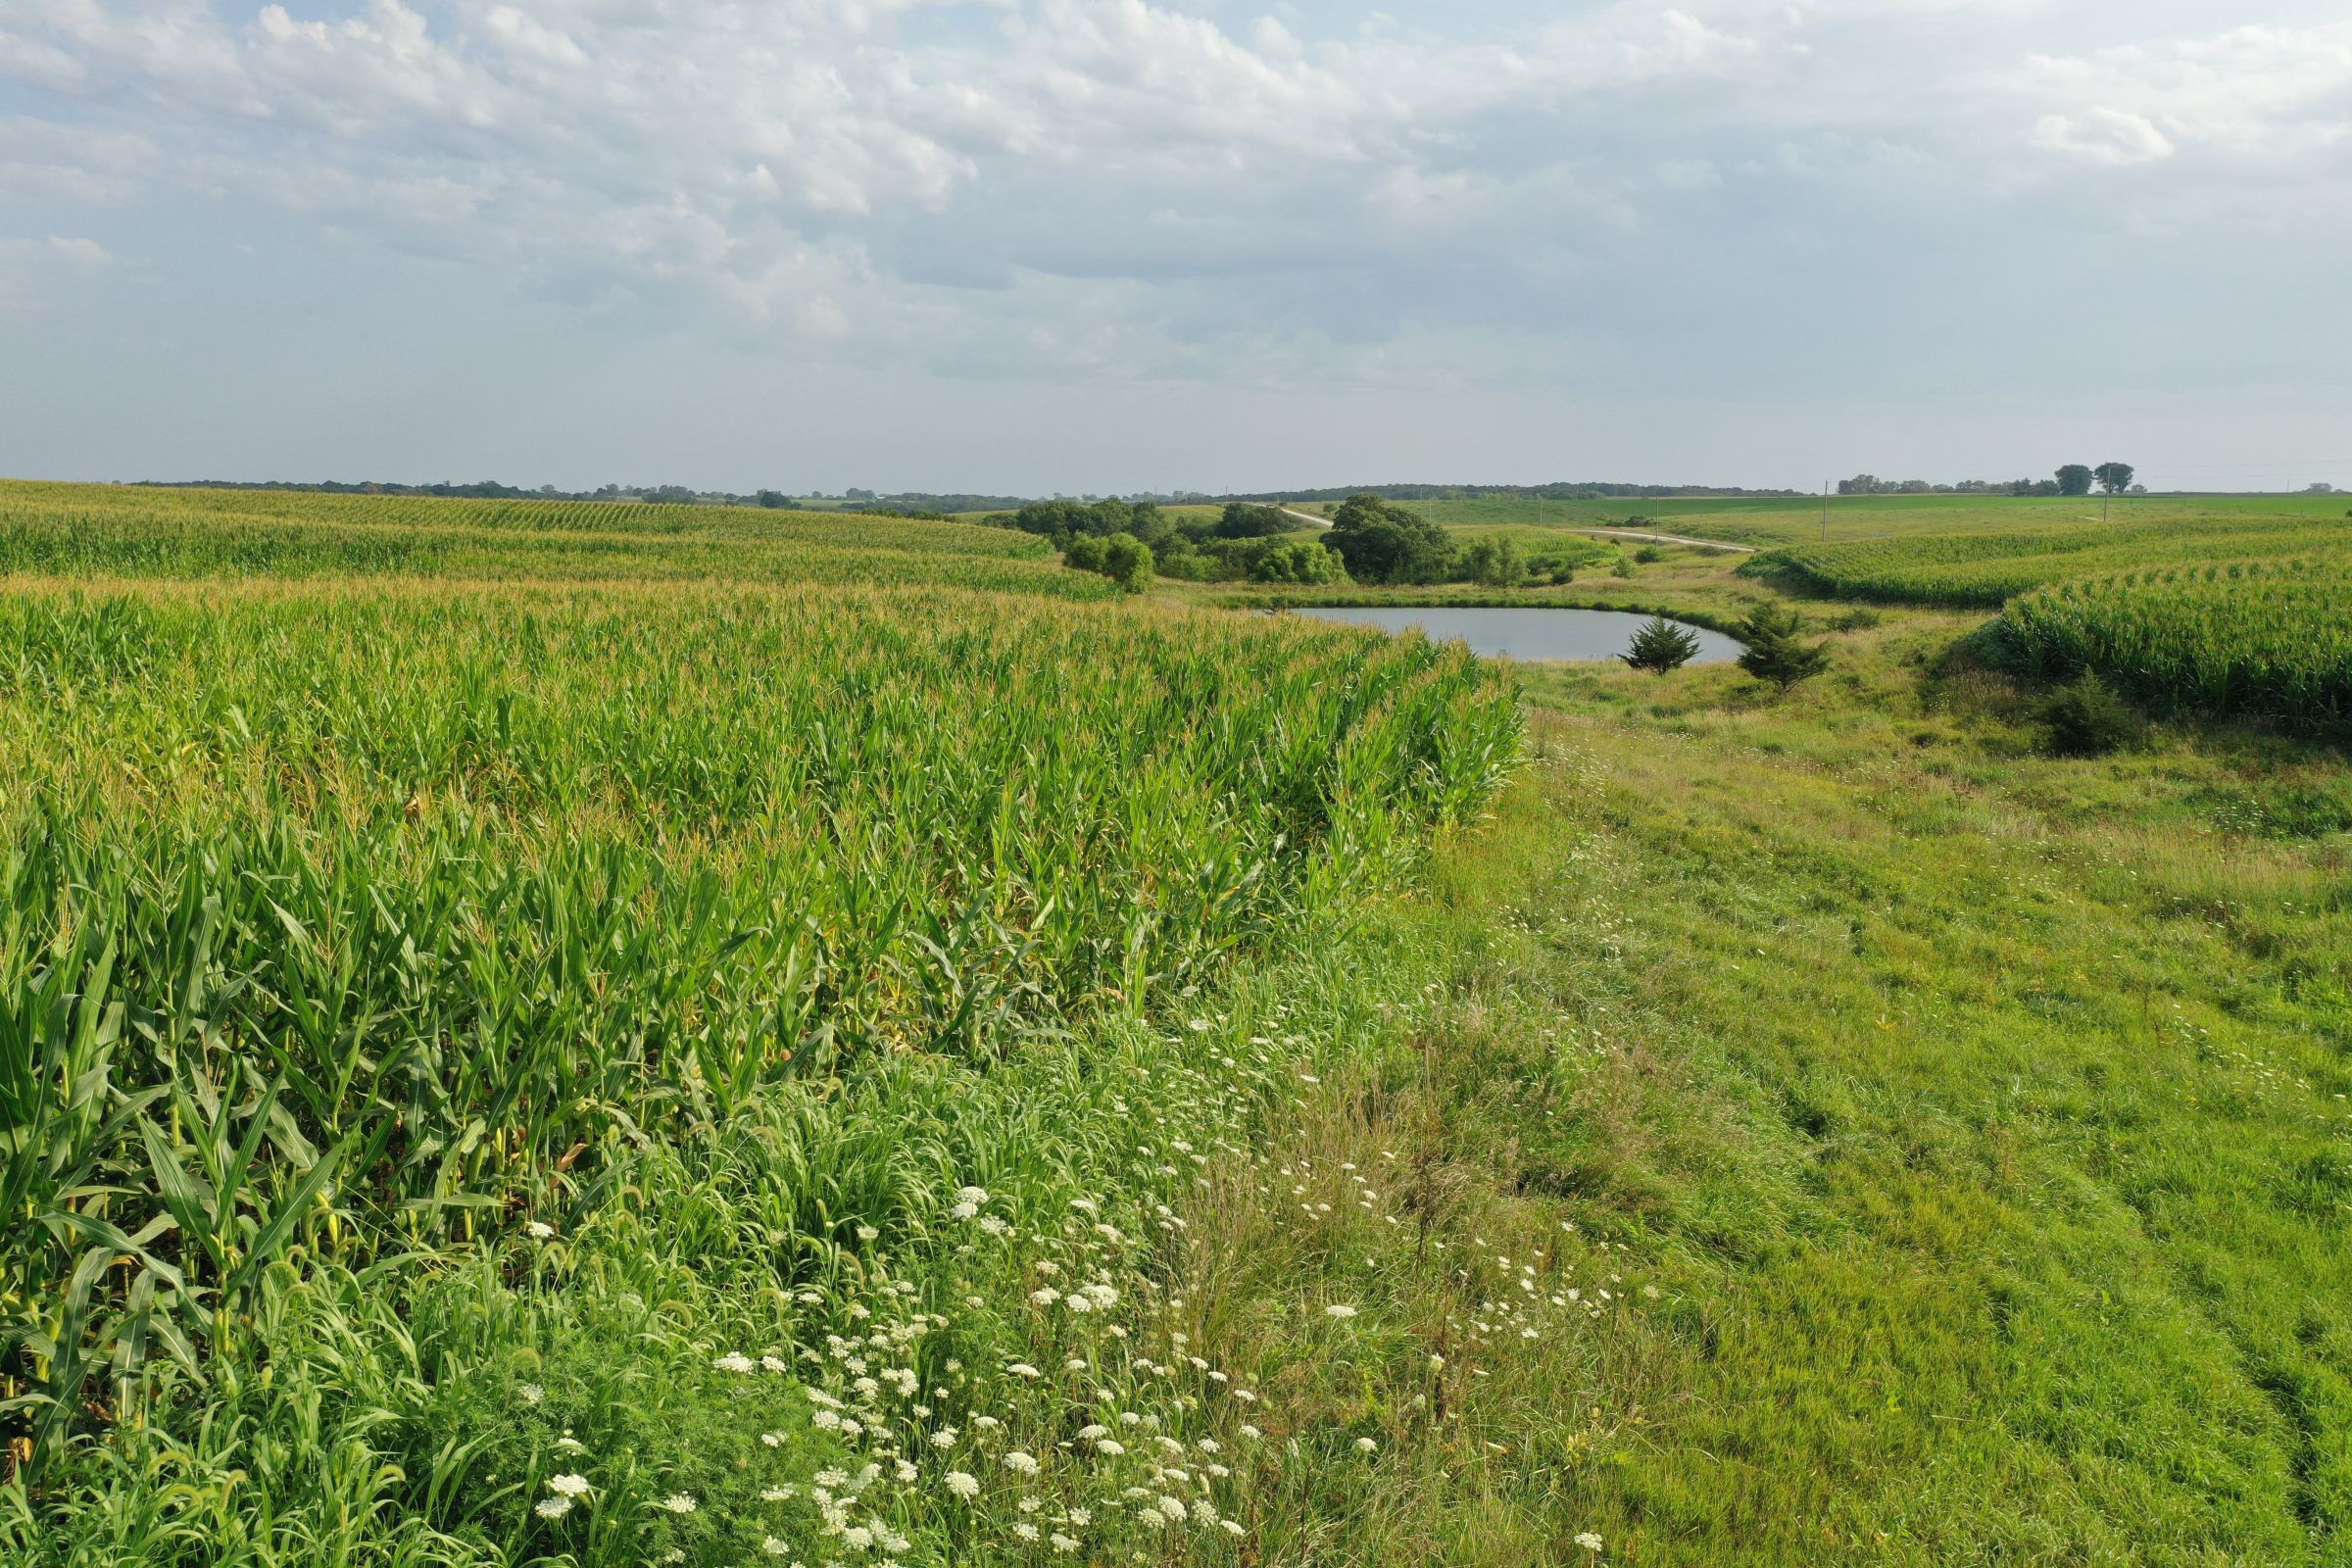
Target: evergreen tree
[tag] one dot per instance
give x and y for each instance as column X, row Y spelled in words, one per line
column 1774, row 653
column 1660, row 646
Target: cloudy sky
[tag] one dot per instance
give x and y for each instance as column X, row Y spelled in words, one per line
column 1039, row 245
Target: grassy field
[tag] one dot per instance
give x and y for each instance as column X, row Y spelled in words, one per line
column 519, row 1068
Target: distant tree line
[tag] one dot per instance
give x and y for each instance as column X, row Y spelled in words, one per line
column 2073, row 479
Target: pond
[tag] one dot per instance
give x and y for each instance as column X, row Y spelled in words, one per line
column 1522, row 632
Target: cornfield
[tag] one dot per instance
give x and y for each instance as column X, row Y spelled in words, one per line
column 2272, row 639
column 92, row 530
column 383, row 884
column 1983, row 570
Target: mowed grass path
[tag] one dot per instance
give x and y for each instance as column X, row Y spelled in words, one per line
column 1983, row 1115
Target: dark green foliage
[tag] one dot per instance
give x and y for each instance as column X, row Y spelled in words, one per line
column 1302, row 561
column 1494, row 563
column 2086, row 718
column 2113, row 477
column 1084, row 553
column 1649, row 554
column 1063, row 519
column 1243, row 520
column 1385, row 544
column 1775, row 652
column 2075, row 479
column 1127, row 562
column 1661, row 646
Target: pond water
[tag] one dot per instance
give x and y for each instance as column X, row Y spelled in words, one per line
column 1523, row 633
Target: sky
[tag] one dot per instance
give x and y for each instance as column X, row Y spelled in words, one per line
column 1047, row 246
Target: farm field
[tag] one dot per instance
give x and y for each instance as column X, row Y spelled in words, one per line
column 514, row 1066
column 515, row 1070
column 109, row 530
column 1851, row 520
column 2226, row 610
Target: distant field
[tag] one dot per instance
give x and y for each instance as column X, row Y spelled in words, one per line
column 86, row 530
column 1782, row 521
column 1984, row 567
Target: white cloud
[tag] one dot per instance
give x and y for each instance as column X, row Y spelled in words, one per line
column 1053, row 182
column 2103, row 136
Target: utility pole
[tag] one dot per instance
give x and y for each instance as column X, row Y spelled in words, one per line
column 1825, row 511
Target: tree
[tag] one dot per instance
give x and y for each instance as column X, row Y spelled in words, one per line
column 773, row 499
column 1660, row 646
column 1127, row 562
column 1382, row 543
column 1299, row 561
column 1774, row 653
column 1085, row 554
column 2075, row 479
column 2114, row 477
column 1243, row 520
column 1494, row 563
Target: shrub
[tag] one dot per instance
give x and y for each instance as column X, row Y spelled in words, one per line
column 1649, row 554
column 1494, row 563
column 1302, row 561
column 2086, row 718
column 1127, row 562
column 1083, row 554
